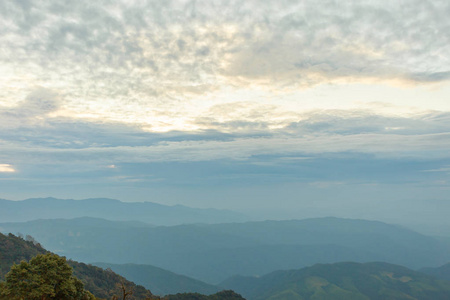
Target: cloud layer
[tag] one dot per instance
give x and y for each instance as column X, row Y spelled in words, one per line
column 163, row 54
column 206, row 93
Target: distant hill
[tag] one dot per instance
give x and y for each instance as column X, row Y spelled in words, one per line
column 223, row 295
column 160, row 281
column 152, row 213
column 214, row 252
column 442, row 272
column 101, row 283
column 369, row 281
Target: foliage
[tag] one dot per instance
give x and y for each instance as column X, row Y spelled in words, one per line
column 160, row 281
column 223, row 295
column 103, row 284
column 46, row 276
column 350, row 281
column 14, row 249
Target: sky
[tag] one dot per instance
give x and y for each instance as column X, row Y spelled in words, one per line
column 284, row 108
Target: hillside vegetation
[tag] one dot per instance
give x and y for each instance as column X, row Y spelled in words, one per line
column 14, row 249
column 103, row 284
column 349, row 281
column 160, row 281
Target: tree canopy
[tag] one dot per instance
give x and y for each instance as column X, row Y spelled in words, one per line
column 45, row 277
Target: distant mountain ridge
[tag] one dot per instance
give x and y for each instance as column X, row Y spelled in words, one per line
column 442, row 272
column 211, row 253
column 346, row 280
column 111, row 209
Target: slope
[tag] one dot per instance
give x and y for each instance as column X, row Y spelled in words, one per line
column 103, row 284
column 342, row 281
column 442, row 272
column 160, row 281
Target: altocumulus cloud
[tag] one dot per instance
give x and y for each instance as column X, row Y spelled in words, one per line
column 157, row 51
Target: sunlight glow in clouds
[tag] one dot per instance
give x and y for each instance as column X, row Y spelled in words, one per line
column 6, row 168
column 166, row 64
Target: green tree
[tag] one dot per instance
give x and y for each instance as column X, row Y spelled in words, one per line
column 45, row 277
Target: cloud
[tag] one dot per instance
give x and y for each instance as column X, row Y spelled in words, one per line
column 311, row 42
column 40, row 101
column 161, row 54
column 243, row 131
column 6, row 168
column 31, row 112
column 445, row 169
column 186, row 65
column 429, row 146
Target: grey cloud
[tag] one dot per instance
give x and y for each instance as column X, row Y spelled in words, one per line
column 363, row 121
column 245, row 117
column 30, row 113
column 430, row 146
column 40, row 101
column 431, row 77
column 231, row 134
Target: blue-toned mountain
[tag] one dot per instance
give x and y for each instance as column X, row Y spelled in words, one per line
column 149, row 212
column 214, row 252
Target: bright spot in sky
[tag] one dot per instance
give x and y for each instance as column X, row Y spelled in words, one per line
column 6, row 168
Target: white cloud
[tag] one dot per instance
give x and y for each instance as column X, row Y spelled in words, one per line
column 6, row 168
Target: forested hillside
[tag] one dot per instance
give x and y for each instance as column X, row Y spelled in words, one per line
column 14, row 249
column 160, row 281
column 370, row 281
column 103, row 284
column 223, row 295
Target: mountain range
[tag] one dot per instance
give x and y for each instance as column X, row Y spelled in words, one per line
column 149, row 212
column 214, row 252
